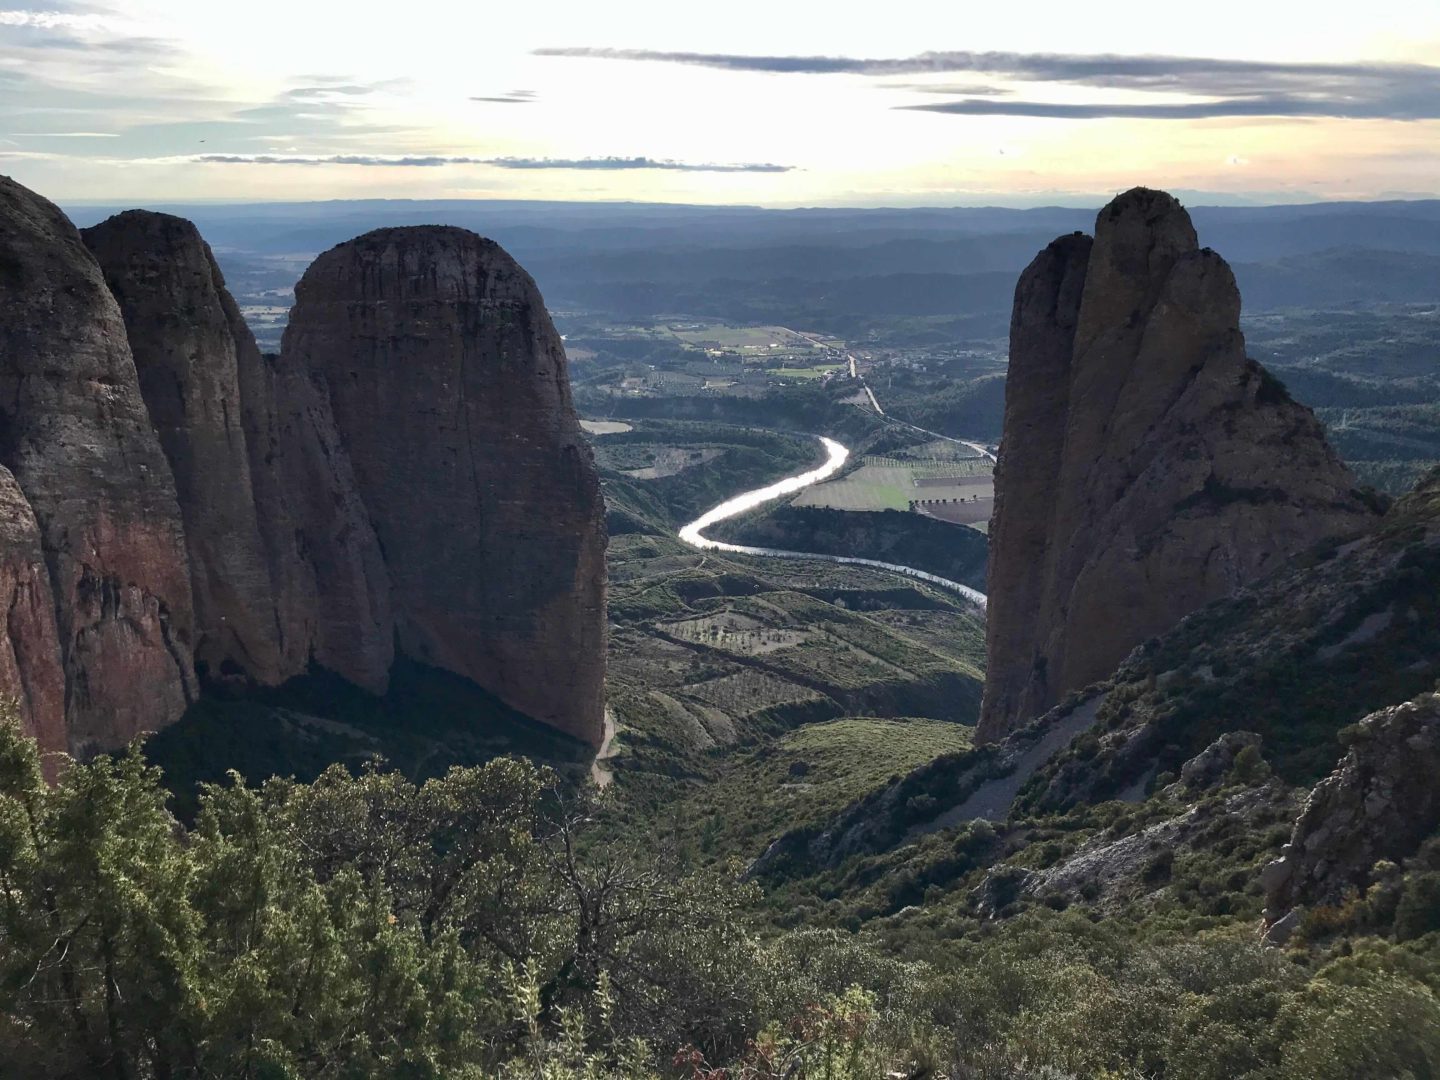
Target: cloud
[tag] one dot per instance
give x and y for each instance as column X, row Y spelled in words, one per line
column 52, row 19
column 437, row 160
column 67, row 70
column 635, row 163
column 413, row 161
column 967, row 89
column 339, row 89
column 510, row 97
column 1272, row 105
column 1237, row 87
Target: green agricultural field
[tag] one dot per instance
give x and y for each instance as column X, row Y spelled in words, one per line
column 718, row 335
column 804, row 372
column 889, row 483
column 870, row 487
column 605, row 427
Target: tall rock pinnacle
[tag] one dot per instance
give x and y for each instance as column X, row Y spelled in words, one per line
column 75, row 435
column 178, row 510
column 448, row 386
column 173, row 299
column 1147, row 466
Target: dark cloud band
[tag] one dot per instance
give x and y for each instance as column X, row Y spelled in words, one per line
column 1238, row 87
column 435, row 161
column 1337, row 108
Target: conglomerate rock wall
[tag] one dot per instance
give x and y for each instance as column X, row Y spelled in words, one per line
column 1147, row 466
column 177, row 509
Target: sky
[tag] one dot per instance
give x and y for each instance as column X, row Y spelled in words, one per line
column 769, row 102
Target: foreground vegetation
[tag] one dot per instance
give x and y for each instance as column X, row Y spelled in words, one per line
column 363, row 926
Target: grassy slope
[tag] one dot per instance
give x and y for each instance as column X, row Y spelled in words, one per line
column 1283, row 659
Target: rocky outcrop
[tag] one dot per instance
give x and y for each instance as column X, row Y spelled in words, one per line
column 1381, row 802
column 30, row 670
column 410, row 476
column 1042, row 332
column 449, row 388
column 75, row 434
column 284, row 562
column 186, row 346
column 1147, row 466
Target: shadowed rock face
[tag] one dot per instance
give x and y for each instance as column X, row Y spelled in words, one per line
column 449, row 388
column 284, row 563
column 332, row 590
column 185, row 346
column 1147, row 467
column 75, row 434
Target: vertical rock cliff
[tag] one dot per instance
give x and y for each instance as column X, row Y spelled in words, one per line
column 185, row 347
column 30, row 670
column 75, row 434
column 449, row 388
column 1147, row 466
column 409, row 476
column 284, row 563
column 332, row 589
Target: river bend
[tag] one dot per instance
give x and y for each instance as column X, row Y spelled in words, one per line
column 694, row 533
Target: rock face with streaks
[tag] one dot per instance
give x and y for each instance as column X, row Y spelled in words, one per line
column 1147, row 467
column 186, row 351
column 179, row 511
column 449, row 388
column 331, row 589
column 76, row 437
column 30, row 670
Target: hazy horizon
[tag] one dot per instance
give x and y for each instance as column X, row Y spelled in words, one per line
column 140, row 101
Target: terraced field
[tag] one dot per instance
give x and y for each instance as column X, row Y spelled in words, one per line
column 721, row 663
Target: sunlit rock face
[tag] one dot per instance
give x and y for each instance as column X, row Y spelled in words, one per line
column 1147, row 465
column 449, row 389
column 31, row 673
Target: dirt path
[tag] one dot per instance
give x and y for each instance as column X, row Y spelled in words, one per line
column 598, row 772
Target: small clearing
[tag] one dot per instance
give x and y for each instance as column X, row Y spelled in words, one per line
column 605, row 427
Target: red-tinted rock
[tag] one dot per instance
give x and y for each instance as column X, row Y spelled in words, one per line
column 75, row 433
column 31, row 672
column 175, row 303
column 332, row 590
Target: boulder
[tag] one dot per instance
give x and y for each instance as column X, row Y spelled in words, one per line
column 1380, row 803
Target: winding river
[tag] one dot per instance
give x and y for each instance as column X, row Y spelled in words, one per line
column 694, row 533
